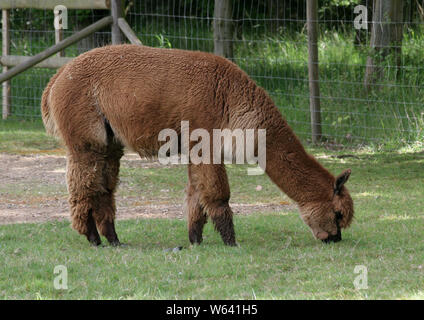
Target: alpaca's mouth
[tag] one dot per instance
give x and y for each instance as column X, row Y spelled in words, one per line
column 336, row 237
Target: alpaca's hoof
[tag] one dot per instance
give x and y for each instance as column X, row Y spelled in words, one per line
column 196, row 242
column 116, row 243
column 232, row 243
column 195, row 238
column 94, row 240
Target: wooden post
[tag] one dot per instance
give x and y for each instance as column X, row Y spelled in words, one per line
column 314, row 97
column 223, row 29
column 50, row 4
column 5, row 52
column 56, row 48
column 116, row 12
column 129, row 33
column 49, row 63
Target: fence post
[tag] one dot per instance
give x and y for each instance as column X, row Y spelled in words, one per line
column 116, row 12
column 5, row 52
column 314, row 97
column 223, row 28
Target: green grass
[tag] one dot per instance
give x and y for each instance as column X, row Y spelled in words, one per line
column 19, row 136
column 277, row 257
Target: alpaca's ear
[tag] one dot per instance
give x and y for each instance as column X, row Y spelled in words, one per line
column 341, row 180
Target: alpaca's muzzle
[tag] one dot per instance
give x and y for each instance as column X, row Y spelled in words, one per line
column 336, row 237
column 333, row 238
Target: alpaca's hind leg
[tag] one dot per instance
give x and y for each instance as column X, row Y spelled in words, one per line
column 104, row 214
column 85, row 184
column 92, row 234
column 196, row 217
column 211, row 183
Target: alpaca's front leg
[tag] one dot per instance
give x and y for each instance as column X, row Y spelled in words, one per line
column 222, row 216
column 210, row 192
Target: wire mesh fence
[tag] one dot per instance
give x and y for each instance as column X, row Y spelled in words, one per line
column 369, row 92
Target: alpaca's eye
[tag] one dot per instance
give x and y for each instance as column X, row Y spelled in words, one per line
column 339, row 215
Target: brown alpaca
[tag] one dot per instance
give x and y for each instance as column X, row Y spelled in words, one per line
column 125, row 95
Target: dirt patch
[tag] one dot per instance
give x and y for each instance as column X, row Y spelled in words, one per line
column 31, row 175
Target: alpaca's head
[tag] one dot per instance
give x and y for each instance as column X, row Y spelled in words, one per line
column 326, row 219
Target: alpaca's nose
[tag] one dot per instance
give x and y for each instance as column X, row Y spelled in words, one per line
column 334, row 238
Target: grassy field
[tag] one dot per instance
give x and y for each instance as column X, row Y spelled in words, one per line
column 277, row 257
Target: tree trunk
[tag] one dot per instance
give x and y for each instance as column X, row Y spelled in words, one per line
column 386, row 38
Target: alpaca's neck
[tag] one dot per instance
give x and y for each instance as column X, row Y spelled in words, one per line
column 288, row 165
column 295, row 172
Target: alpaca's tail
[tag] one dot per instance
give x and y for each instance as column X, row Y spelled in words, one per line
column 46, row 113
